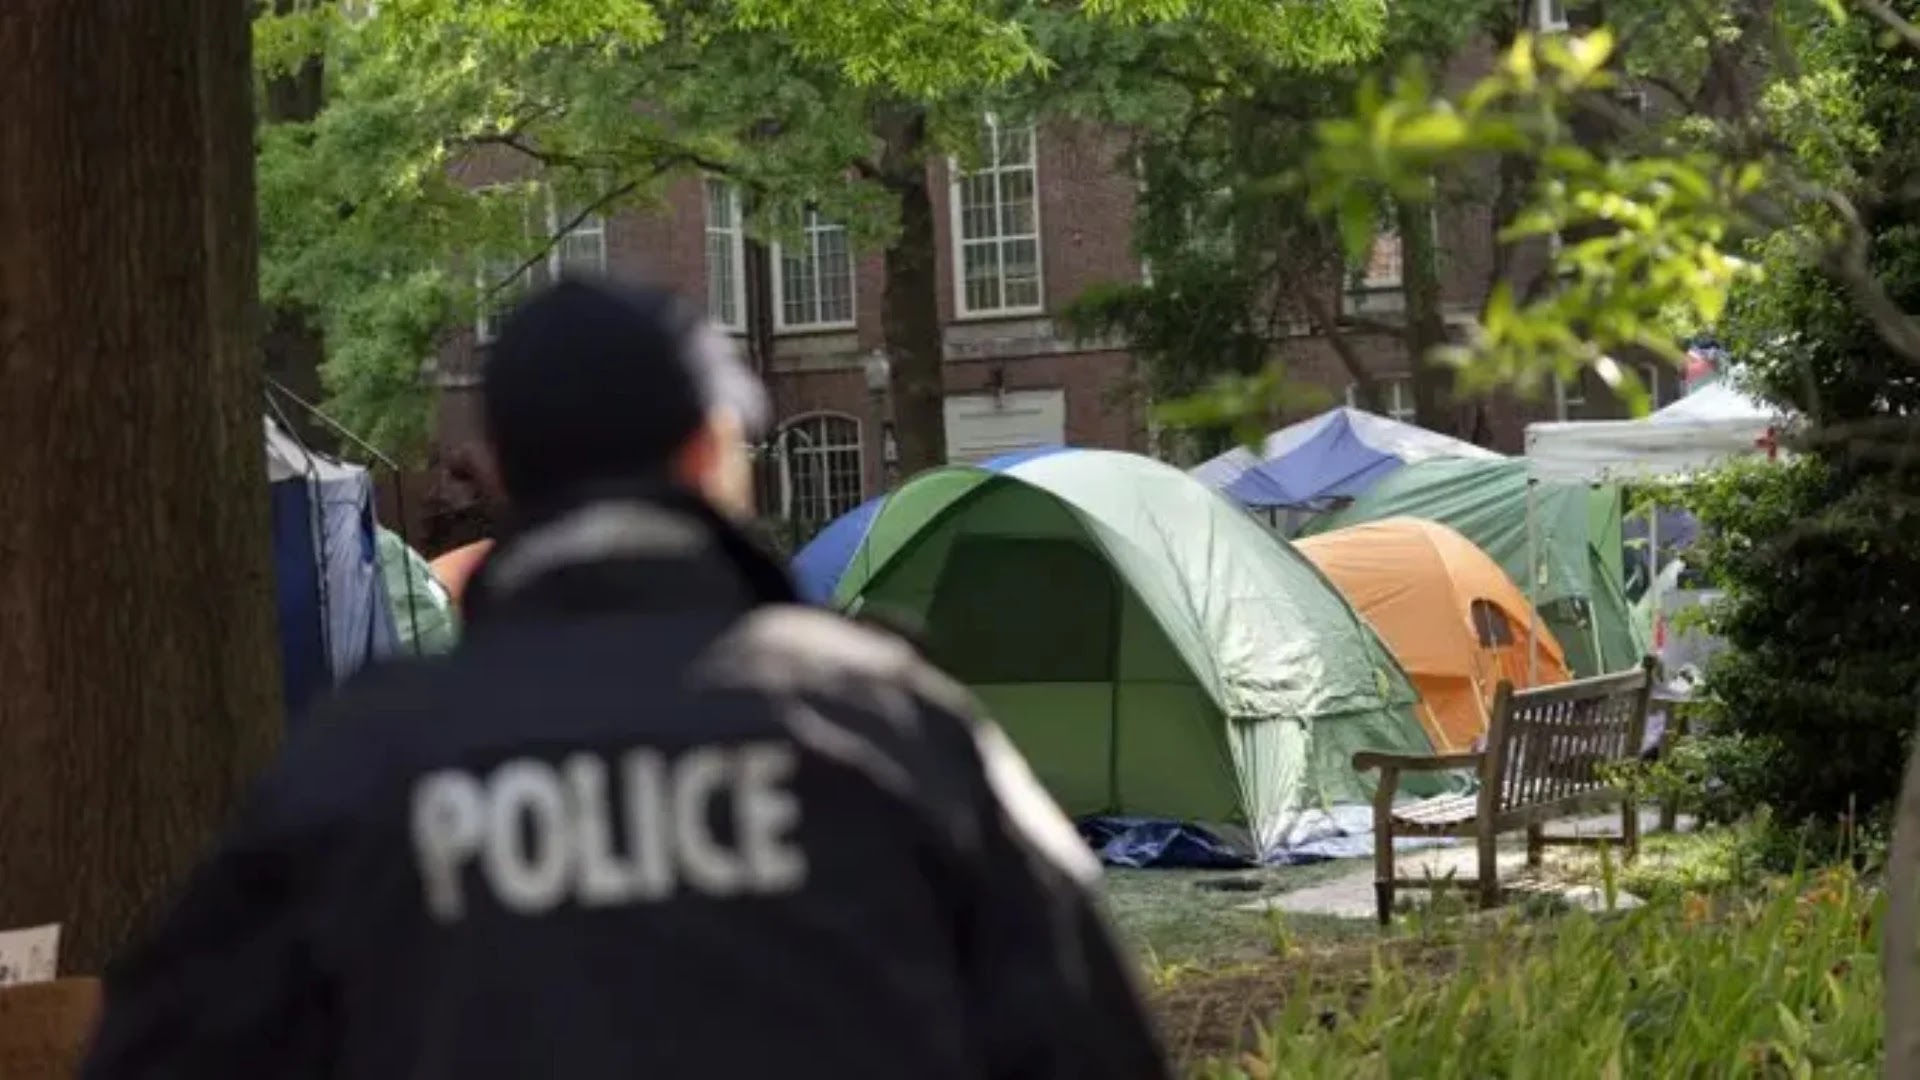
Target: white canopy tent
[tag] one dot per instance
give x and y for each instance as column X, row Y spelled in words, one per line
column 1712, row 426
column 1708, row 427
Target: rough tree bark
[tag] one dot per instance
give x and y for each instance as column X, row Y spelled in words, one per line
column 910, row 302
column 138, row 682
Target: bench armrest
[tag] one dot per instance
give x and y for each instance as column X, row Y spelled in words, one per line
column 1367, row 760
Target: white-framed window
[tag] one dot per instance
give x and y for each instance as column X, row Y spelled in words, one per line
column 1385, row 267
column 813, row 280
column 1396, row 396
column 822, row 469
column 996, row 226
column 726, row 256
column 1550, row 16
column 580, row 249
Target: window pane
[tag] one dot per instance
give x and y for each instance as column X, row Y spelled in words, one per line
column 1016, row 146
column 1016, row 209
column 976, row 207
column 721, row 301
column 1022, row 279
column 719, row 205
column 583, row 251
column 1021, row 269
column 982, row 273
column 797, row 305
column 835, row 271
column 1383, row 261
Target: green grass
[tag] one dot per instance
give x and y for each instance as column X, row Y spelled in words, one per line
column 1727, row 971
column 1187, row 919
column 1785, row 984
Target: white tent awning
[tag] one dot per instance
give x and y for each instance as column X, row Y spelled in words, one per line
column 1710, row 427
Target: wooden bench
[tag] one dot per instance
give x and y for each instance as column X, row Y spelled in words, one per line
column 1547, row 755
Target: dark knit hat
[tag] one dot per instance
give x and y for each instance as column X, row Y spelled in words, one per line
column 593, row 381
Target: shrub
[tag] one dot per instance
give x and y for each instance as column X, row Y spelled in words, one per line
column 1821, row 678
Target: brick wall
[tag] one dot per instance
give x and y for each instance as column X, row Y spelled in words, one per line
column 1085, row 208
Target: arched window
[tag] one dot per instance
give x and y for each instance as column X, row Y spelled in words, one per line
column 821, row 472
column 1490, row 624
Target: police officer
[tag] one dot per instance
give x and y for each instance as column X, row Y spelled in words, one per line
column 651, row 818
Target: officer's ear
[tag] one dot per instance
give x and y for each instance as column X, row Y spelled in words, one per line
column 715, row 464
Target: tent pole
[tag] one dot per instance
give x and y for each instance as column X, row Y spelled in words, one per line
column 1113, row 703
column 1533, row 586
column 1653, row 567
column 1593, row 610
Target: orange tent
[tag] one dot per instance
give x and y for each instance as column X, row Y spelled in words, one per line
column 456, row 567
column 1456, row 622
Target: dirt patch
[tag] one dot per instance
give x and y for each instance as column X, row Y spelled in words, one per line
column 1217, row 1014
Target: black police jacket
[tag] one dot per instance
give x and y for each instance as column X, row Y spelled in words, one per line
column 650, row 819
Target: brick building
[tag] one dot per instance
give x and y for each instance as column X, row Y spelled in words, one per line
column 1048, row 215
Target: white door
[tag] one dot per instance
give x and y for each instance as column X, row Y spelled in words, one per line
column 981, row 426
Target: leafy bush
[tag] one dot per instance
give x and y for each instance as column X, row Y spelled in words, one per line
column 1821, row 679
column 1820, row 557
column 1786, row 984
column 1719, row 779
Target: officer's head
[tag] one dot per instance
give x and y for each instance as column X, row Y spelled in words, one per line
column 593, row 382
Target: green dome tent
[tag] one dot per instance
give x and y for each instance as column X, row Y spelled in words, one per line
column 1147, row 644
column 421, row 609
column 1577, row 582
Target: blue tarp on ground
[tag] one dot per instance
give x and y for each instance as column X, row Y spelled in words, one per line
column 1340, row 454
column 819, row 565
column 1339, row 832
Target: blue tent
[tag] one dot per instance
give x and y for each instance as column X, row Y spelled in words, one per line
column 818, row 566
column 334, row 612
column 1339, row 454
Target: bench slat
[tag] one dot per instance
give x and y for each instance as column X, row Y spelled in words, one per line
column 1442, row 810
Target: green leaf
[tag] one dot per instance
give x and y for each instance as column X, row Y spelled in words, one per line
column 1436, row 132
column 1358, row 220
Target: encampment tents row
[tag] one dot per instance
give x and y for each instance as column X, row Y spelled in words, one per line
column 1159, row 653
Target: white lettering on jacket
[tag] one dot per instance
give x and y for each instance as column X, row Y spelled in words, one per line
column 602, row 833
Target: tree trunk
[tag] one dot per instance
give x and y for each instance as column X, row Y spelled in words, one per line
column 910, row 304
column 1426, row 327
column 1366, row 388
column 293, row 346
column 138, row 681
column 1738, row 65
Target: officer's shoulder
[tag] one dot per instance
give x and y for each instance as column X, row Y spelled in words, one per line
column 792, row 649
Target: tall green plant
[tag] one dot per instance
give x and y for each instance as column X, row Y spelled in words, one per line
column 1784, row 985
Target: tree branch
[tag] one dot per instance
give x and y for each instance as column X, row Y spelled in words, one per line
column 605, row 199
column 1891, row 19
column 1322, row 313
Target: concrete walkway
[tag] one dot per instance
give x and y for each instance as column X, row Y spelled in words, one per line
column 1350, row 896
